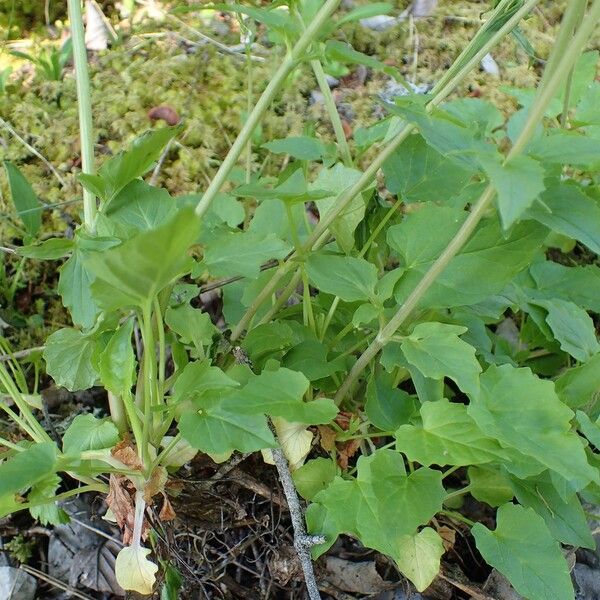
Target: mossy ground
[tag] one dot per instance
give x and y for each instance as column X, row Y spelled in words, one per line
column 153, row 64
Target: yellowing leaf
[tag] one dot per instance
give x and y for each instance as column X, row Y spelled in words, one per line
column 295, row 441
column 419, row 557
column 134, row 571
column 181, row 453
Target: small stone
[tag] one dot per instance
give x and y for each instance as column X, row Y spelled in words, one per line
column 379, row 22
column 490, row 66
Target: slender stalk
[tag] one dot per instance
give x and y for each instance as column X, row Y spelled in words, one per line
column 332, row 110
column 117, row 412
column 84, row 105
column 547, row 90
column 8, row 444
column 438, row 94
column 302, row 541
column 161, row 347
column 99, row 487
column 264, row 102
column 149, row 383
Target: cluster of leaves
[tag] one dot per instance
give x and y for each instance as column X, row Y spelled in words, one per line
column 496, row 372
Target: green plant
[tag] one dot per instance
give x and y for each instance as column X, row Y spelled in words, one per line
column 407, row 331
column 49, row 62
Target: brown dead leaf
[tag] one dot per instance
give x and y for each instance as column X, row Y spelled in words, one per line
column 120, row 501
column 156, row 484
column 167, row 513
column 126, row 453
column 327, row 437
column 448, row 537
column 346, row 451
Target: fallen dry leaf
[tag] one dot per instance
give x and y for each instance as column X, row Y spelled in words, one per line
column 120, row 502
column 327, row 436
column 167, row 513
column 126, row 453
column 346, row 451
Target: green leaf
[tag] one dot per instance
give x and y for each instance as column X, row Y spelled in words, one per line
column 68, row 355
column 523, row 550
column 444, row 132
column 437, row 351
column 566, row 520
column 51, row 249
column 371, row 9
column 579, row 386
column 487, row 262
column 199, row 379
column 352, row 279
column 217, row 429
column 137, row 207
column 293, row 190
column 447, row 436
column 387, row 407
column 518, row 183
column 243, row 253
column 567, row 210
column 310, row 358
column 419, row 557
column 589, row 429
column 280, row 394
column 267, row 339
column 191, row 325
column 383, row 504
column 580, row 285
column 477, row 112
column 117, row 361
column 542, row 431
column 74, row 284
column 572, row 327
column 27, row 468
column 489, row 485
column 130, row 164
column 301, row 147
column 337, row 179
column 87, row 432
column 47, row 512
column 418, row 173
column 344, row 53
column 24, row 198
column 563, row 147
column 134, row 272
column 314, row 476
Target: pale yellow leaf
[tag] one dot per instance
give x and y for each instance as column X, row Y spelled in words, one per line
column 295, row 440
column 418, row 557
column 134, row 571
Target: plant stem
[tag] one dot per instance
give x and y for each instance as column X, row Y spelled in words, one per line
column 84, row 105
column 476, row 50
column 7, row 444
column 302, row 541
column 332, row 110
column 100, row 487
column 161, row 347
column 117, row 412
column 149, row 382
column 264, row 102
column 546, row 92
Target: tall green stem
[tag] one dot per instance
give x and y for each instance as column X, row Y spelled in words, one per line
column 264, row 102
column 334, row 115
column 469, row 58
column 84, row 105
column 568, row 50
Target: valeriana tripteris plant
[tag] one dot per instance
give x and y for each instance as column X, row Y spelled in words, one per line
column 405, row 332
